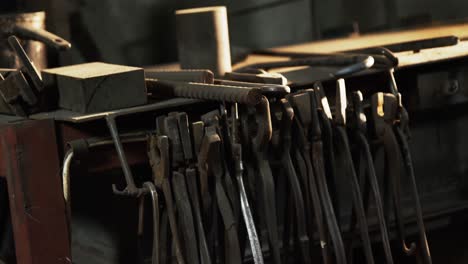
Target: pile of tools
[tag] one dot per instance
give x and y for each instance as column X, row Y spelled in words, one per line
column 257, row 177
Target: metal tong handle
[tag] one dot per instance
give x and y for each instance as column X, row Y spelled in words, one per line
column 359, row 212
column 254, row 240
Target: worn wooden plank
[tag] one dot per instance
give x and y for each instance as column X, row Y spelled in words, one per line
column 378, row 39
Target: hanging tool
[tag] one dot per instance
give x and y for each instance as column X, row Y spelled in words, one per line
column 324, row 135
column 283, row 147
column 158, row 152
column 343, row 148
column 218, row 119
column 179, row 188
column 395, row 142
column 191, row 178
column 260, row 140
column 358, row 125
column 255, row 246
column 302, row 123
column 384, row 110
column 213, row 161
column 403, row 134
column 424, row 246
column 319, row 171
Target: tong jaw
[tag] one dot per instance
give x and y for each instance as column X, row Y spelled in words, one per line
column 384, row 111
column 341, row 103
column 159, row 157
column 357, row 117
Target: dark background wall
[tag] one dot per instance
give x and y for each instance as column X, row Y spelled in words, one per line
column 141, row 32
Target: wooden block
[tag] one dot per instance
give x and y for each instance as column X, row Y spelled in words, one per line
column 96, row 87
column 203, row 39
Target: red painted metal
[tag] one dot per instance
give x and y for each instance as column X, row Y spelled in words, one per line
column 30, row 162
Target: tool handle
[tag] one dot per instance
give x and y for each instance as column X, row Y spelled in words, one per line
column 41, row 35
column 233, row 94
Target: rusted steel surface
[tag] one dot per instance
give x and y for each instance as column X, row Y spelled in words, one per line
column 30, row 164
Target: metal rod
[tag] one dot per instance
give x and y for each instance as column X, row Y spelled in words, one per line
column 155, row 209
column 92, row 143
column 131, row 187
